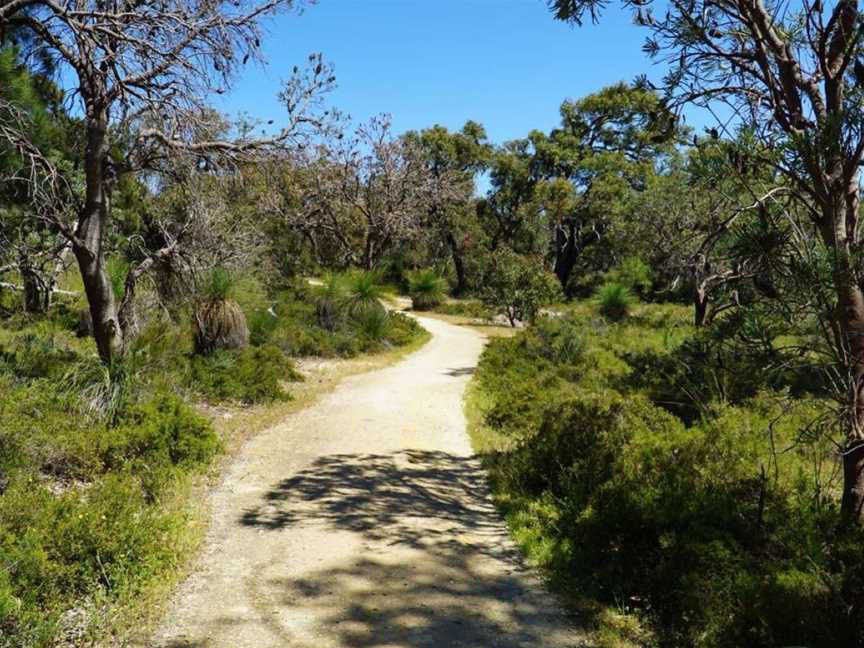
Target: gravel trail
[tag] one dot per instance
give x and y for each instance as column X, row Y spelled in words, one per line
column 364, row 521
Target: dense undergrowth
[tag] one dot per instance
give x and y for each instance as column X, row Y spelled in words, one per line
column 97, row 463
column 667, row 486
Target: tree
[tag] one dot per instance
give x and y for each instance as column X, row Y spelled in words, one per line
column 518, row 286
column 453, row 160
column 792, row 75
column 31, row 106
column 567, row 190
column 142, row 73
column 359, row 197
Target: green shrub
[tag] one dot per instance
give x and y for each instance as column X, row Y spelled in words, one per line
column 466, row 308
column 162, row 431
column 633, row 273
column 218, row 285
column 712, row 534
column 363, row 291
column 253, row 375
column 614, row 300
column 372, row 321
column 517, row 286
column 262, row 326
column 330, row 301
column 426, row 288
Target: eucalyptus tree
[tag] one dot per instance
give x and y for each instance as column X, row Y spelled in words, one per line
column 569, row 188
column 141, row 73
column 453, row 160
column 360, row 195
column 792, row 73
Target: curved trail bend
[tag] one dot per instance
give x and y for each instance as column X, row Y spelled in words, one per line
column 363, row 520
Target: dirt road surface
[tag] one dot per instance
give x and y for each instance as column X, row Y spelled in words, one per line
column 364, row 521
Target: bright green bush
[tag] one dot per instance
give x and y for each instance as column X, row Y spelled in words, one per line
column 162, row 431
column 363, row 291
column 614, row 300
column 372, row 322
column 427, row 288
column 252, row 375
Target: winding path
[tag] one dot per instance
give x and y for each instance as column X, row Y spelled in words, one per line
column 364, row 521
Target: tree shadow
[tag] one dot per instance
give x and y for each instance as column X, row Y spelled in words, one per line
column 460, row 371
column 410, row 497
column 438, row 571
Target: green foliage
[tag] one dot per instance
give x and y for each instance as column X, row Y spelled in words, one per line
column 363, row 291
column 372, row 321
column 163, row 431
column 715, row 527
column 466, row 308
column 614, row 300
column 633, row 273
column 518, row 286
column 218, row 285
column 253, row 375
column 427, row 288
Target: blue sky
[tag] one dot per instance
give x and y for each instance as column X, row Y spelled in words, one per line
column 504, row 63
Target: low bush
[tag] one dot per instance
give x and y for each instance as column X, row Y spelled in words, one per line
column 614, row 300
column 252, row 375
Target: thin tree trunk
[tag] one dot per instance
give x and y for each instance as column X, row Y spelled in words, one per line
column 840, row 214
column 700, row 306
column 88, row 248
column 458, row 264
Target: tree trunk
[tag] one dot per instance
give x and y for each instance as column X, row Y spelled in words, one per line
column 37, row 295
column 838, row 215
column 566, row 254
column 458, row 264
column 700, row 305
column 88, row 246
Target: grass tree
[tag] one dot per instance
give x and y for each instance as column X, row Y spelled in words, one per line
column 142, row 72
column 427, row 288
column 219, row 322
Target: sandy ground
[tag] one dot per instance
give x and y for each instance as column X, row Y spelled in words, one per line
column 364, row 521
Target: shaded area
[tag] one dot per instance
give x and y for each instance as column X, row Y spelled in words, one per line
column 443, row 573
column 412, row 497
column 434, row 599
column 460, row 371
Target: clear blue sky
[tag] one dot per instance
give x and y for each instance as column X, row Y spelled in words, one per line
column 504, row 63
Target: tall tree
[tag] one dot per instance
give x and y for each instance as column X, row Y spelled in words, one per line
column 453, row 160
column 792, row 73
column 142, row 72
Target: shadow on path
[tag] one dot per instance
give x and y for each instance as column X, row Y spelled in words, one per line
column 451, row 580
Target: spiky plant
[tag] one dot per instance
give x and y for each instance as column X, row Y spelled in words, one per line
column 373, row 321
column 329, row 301
column 427, row 288
column 363, row 290
column 219, row 322
column 614, row 300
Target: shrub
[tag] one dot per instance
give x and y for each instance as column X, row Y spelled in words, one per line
column 330, row 301
column 614, row 300
column 518, row 286
column 252, row 375
column 372, row 321
column 697, row 522
column 163, row 431
column 363, row 290
column 427, row 289
column 633, row 273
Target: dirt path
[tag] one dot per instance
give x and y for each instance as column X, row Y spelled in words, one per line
column 364, row 521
